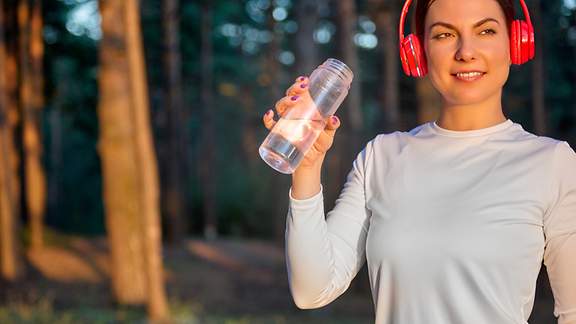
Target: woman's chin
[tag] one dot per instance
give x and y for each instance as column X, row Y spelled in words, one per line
column 468, row 99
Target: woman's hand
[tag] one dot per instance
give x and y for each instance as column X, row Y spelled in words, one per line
column 297, row 95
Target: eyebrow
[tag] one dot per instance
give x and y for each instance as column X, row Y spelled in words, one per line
column 447, row 25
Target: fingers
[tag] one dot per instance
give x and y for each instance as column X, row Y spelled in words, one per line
column 283, row 104
column 268, row 119
column 332, row 125
column 326, row 138
column 293, row 95
column 298, row 87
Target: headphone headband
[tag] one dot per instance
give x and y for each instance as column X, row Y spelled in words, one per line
column 402, row 19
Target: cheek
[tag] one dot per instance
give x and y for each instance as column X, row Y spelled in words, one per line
column 498, row 50
column 438, row 58
column 498, row 59
column 439, row 61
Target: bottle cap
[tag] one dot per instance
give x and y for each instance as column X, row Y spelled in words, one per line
column 340, row 69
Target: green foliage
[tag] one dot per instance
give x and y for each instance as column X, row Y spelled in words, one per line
column 44, row 312
column 241, row 35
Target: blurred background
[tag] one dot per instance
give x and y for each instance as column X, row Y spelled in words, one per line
column 131, row 188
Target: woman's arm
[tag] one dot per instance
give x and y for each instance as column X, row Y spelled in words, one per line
column 324, row 255
column 560, row 233
column 306, row 181
column 560, row 264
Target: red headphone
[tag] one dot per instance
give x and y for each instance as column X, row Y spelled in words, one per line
column 414, row 60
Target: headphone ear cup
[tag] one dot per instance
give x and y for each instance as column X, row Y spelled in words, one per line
column 404, row 60
column 415, row 59
column 527, row 42
column 521, row 42
column 514, row 35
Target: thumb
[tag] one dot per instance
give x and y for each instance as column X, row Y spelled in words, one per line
column 332, row 125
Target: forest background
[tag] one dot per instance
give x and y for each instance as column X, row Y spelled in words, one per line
column 130, row 181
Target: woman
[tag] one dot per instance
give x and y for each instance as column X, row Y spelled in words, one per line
column 453, row 217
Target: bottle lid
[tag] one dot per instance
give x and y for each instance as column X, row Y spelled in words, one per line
column 340, row 69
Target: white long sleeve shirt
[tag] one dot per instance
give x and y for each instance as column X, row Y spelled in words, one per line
column 454, row 226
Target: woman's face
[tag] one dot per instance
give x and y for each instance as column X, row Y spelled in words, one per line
column 467, row 49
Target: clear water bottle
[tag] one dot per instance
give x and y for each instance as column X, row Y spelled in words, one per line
column 295, row 133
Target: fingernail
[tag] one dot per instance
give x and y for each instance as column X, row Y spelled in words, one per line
column 334, row 120
column 303, row 85
column 294, row 98
column 301, row 78
column 268, row 112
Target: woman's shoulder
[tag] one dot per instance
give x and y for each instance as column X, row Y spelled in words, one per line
column 384, row 139
column 564, row 155
column 397, row 135
column 557, row 150
column 387, row 143
column 538, row 141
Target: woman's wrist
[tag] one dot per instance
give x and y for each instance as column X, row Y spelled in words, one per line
column 306, row 181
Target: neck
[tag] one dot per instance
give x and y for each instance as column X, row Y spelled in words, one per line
column 462, row 117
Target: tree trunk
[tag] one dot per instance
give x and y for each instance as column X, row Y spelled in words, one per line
column 12, row 108
column 538, row 110
column 251, row 122
column 306, row 49
column 173, row 195
column 385, row 13
column 10, row 250
column 32, row 101
column 54, row 181
column 347, row 22
column 128, row 162
column 147, row 167
column 208, row 143
column 347, row 141
column 117, row 150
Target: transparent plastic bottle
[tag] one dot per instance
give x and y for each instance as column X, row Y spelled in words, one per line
column 295, row 133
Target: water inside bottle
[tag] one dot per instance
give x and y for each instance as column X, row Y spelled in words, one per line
column 287, row 144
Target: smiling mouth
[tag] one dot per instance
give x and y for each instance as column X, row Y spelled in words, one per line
column 468, row 76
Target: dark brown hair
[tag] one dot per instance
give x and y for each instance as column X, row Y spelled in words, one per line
column 423, row 5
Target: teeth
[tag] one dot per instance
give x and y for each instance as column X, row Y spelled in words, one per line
column 468, row 75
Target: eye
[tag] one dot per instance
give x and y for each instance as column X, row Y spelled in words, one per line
column 442, row 35
column 488, row 31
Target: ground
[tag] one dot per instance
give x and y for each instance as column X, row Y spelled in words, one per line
column 223, row 281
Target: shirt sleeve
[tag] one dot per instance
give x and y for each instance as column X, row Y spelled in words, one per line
column 560, row 234
column 324, row 254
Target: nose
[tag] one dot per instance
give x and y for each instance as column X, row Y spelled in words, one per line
column 466, row 50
